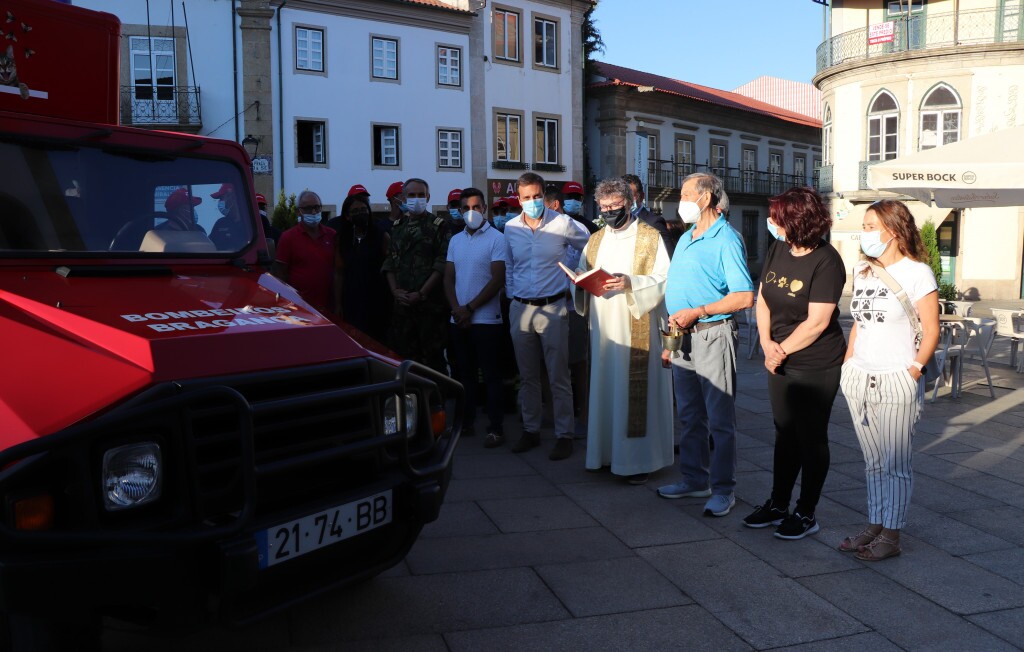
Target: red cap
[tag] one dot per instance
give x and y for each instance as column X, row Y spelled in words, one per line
column 179, row 197
column 454, row 195
column 500, row 201
column 397, row 188
column 260, row 199
column 224, row 189
column 358, row 189
column 572, row 188
column 513, row 201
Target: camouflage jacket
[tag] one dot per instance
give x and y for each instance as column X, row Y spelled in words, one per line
column 419, row 246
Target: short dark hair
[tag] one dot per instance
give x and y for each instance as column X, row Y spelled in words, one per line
column 553, row 192
column 802, row 213
column 634, row 180
column 468, row 193
column 529, row 179
column 415, row 180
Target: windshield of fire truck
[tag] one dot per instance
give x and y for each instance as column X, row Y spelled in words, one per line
column 62, row 199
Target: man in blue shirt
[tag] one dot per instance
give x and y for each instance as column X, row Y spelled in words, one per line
column 708, row 281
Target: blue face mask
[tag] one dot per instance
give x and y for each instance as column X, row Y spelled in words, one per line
column 222, row 206
column 533, row 208
column 456, row 215
column 635, row 210
column 500, row 221
column 774, row 230
column 404, row 207
column 310, row 220
column 573, row 206
column 871, row 243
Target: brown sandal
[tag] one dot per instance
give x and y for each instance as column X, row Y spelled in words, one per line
column 857, row 542
column 880, row 548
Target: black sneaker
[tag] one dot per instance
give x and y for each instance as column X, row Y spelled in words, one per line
column 765, row 515
column 562, row 449
column 797, row 527
column 526, row 442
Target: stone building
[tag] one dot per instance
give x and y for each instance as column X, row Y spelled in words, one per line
column 899, row 77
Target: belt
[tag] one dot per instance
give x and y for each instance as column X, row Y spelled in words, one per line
column 543, row 301
column 704, row 325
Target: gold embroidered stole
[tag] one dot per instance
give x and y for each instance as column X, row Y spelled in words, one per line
column 644, row 253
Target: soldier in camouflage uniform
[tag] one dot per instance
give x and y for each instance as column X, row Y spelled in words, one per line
column 414, row 268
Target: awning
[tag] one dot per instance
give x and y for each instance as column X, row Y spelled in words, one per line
column 853, row 220
column 978, row 172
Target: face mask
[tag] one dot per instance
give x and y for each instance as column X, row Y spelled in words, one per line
column 512, row 215
column 456, row 215
column 474, row 219
column 573, row 206
column 615, row 218
column 417, row 205
column 533, row 208
column 222, row 206
column 871, row 244
column 360, row 219
column 310, row 220
column 403, row 207
column 500, row 221
column 635, row 210
column 774, row 230
column 689, row 212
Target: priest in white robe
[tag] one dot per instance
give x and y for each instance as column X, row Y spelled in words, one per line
column 630, row 416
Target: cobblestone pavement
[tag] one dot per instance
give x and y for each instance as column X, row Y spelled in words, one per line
column 534, row 554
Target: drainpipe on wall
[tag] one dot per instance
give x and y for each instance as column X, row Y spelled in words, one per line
column 280, row 96
column 234, row 62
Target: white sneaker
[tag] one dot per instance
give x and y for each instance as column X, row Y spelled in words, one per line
column 719, row 505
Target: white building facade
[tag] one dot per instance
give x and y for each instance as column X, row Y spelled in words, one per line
column 938, row 71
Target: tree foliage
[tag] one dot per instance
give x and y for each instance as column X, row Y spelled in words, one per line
column 285, row 212
column 931, row 244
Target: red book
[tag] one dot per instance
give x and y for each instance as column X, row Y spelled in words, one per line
column 592, row 281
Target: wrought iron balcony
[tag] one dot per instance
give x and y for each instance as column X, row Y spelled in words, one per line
column 669, row 174
column 823, row 179
column 862, row 184
column 919, row 32
column 161, row 106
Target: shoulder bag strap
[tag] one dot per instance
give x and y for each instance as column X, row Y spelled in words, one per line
column 901, row 294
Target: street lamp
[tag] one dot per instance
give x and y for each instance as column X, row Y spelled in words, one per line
column 251, row 144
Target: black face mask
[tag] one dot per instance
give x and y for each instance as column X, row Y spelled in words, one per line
column 360, row 219
column 616, row 218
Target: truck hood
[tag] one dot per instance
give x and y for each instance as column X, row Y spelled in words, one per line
column 78, row 344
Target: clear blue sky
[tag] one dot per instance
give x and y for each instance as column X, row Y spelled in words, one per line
column 718, row 43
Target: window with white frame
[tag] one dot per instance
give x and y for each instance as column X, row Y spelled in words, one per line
column 545, row 39
column 546, row 141
column 508, row 136
column 506, row 35
column 800, row 169
column 152, row 68
column 899, row 7
column 684, row 159
column 385, row 146
column 449, row 66
column 449, row 148
column 311, row 142
column 940, row 118
column 652, row 148
column 826, row 135
column 385, row 57
column 718, row 154
column 883, row 127
column 749, row 168
column 309, row 49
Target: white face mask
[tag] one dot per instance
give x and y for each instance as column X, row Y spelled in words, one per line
column 474, row 219
column 311, row 220
column 871, row 243
column 689, row 212
column 417, row 204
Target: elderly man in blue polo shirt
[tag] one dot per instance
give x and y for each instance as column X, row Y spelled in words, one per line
column 708, row 281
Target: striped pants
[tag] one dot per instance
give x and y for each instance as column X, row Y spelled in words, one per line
column 885, row 407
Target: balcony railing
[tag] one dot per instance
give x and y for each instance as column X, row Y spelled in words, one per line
column 922, row 32
column 669, row 174
column 165, row 106
column 823, row 178
column 862, row 183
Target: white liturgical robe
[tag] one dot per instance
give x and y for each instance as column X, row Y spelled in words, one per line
column 611, row 320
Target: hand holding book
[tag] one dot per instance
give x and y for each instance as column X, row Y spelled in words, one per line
column 596, row 281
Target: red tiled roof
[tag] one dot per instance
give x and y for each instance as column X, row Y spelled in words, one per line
column 619, row 76
column 439, row 4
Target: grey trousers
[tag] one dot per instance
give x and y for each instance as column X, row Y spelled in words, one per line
column 543, row 331
column 704, row 379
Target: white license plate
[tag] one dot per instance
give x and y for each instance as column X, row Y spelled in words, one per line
column 295, row 538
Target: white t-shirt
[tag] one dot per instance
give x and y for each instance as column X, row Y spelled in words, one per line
column 472, row 256
column 885, row 335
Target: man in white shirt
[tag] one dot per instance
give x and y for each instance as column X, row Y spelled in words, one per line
column 473, row 277
column 535, row 242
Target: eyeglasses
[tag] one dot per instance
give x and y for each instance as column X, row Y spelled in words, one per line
column 309, row 210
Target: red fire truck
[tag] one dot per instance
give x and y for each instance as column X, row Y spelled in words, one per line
column 183, row 439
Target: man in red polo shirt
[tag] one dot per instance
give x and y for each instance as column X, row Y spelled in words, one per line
column 305, row 254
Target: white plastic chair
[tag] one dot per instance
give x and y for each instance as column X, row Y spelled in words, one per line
column 1007, row 322
column 969, row 342
column 962, row 308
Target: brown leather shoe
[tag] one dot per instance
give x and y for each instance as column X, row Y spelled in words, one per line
column 528, row 441
column 562, row 449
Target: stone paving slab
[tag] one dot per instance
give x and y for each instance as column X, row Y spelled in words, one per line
column 856, row 643
column 489, row 488
column 681, row 628
column 533, row 514
column 460, row 520
column 449, row 555
column 749, row 596
column 1005, row 563
column 1008, row 625
column 410, row 606
column 900, row 615
column 487, row 465
column 611, row 586
column 1005, row 522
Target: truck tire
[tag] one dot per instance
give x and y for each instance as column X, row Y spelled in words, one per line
column 27, row 633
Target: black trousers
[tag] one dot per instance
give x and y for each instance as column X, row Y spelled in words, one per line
column 801, row 405
column 476, row 348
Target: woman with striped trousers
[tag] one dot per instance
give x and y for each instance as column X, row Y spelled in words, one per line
column 882, row 376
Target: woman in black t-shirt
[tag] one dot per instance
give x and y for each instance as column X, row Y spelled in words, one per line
column 798, row 321
column 361, row 291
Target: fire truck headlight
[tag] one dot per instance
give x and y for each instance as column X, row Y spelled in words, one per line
column 132, row 475
column 391, row 415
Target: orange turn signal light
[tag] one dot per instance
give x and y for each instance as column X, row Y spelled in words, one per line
column 437, row 421
column 34, row 513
